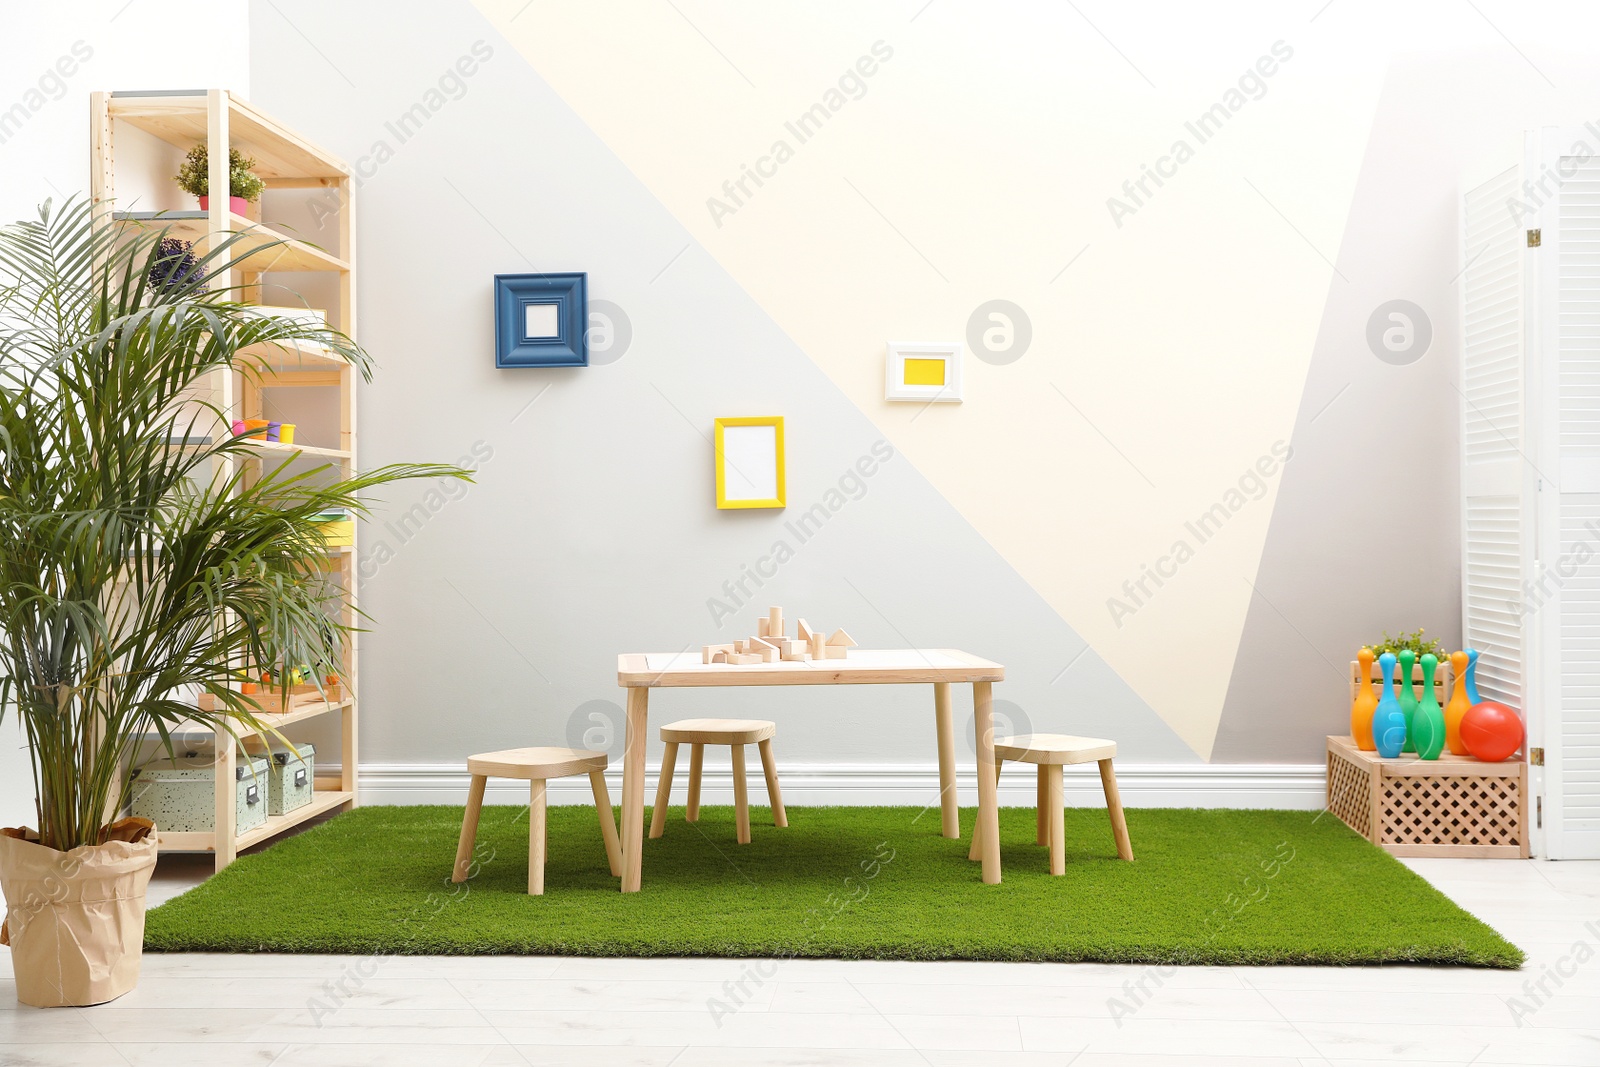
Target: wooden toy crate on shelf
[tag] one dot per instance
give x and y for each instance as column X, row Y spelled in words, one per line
column 1451, row 806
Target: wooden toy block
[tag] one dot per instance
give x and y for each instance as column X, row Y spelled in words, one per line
column 720, row 657
column 798, row 653
column 819, row 646
column 774, row 622
column 788, row 646
column 841, row 639
column 764, row 648
column 742, row 659
column 709, row 651
column 763, row 626
column 803, row 631
column 836, row 651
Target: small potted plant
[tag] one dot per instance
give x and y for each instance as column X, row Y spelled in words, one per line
column 244, row 188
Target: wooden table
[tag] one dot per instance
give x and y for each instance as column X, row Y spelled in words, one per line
column 639, row 673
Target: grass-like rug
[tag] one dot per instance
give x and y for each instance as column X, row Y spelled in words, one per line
column 1207, row 887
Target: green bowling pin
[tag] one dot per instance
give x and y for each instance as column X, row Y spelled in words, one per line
column 1408, row 697
column 1428, row 722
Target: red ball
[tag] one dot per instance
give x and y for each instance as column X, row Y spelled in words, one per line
column 1491, row 731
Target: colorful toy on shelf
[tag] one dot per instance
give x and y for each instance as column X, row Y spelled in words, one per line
column 1427, row 723
column 272, row 430
column 771, row 644
column 1365, row 703
column 1388, row 721
column 1458, row 706
column 1472, row 676
column 1492, row 732
column 1408, row 694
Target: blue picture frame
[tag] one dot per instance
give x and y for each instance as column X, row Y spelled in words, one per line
column 541, row 320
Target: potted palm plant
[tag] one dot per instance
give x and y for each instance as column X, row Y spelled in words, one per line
column 139, row 566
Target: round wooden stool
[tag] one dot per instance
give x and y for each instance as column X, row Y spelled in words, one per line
column 736, row 733
column 1052, row 752
column 536, row 765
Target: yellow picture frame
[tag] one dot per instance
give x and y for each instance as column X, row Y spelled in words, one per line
column 750, row 465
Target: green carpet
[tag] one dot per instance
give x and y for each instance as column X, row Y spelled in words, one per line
column 1207, row 887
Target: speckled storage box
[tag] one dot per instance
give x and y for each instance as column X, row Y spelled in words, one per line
column 178, row 795
column 291, row 779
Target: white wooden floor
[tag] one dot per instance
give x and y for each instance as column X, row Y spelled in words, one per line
column 440, row 1012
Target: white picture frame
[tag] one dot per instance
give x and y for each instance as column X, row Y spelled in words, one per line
column 924, row 372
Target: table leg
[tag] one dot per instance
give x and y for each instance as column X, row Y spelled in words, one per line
column 633, row 789
column 949, row 816
column 988, row 792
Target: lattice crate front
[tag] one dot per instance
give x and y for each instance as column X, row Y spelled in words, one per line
column 1452, row 806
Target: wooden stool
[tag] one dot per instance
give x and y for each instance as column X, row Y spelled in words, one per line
column 1052, row 752
column 536, row 765
column 700, row 733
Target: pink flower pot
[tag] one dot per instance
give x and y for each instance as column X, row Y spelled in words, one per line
column 236, row 204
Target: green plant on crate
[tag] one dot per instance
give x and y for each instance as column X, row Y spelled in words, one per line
column 1416, row 641
column 194, row 176
column 145, row 554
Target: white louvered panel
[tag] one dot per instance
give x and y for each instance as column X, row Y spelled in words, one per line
column 1492, row 322
column 1580, row 663
column 1492, row 563
column 1578, row 310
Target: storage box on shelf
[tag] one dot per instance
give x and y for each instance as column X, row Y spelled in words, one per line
column 284, row 160
column 179, row 794
column 1451, row 806
column 292, row 776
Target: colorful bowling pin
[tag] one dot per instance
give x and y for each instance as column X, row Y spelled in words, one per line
column 1459, row 705
column 1365, row 704
column 1427, row 723
column 1388, row 722
column 1408, row 694
column 1472, row 677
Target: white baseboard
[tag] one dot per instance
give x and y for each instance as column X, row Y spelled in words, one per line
column 1182, row 785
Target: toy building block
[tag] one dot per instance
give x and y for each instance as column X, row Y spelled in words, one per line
column 763, row 626
column 835, row 651
column 803, row 631
column 796, row 651
column 842, row 640
column 764, row 648
column 789, row 646
column 742, row 659
column 774, row 622
column 819, row 646
column 708, row 653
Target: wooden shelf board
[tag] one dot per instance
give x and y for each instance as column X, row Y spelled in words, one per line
column 180, row 119
column 295, row 356
column 322, row 802
column 309, row 450
column 269, row 250
column 300, row 713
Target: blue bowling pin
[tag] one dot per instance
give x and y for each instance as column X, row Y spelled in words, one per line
column 1389, row 721
column 1472, row 677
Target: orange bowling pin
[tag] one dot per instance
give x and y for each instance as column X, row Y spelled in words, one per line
column 1458, row 706
column 1365, row 704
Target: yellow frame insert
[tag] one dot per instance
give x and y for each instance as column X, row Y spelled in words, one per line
column 776, row 422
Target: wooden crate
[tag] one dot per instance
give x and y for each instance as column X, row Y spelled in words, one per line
column 1443, row 679
column 1451, row 806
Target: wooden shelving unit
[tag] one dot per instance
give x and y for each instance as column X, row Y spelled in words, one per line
column 284, row 160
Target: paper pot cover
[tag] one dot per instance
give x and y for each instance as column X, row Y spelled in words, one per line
column 75, row 920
